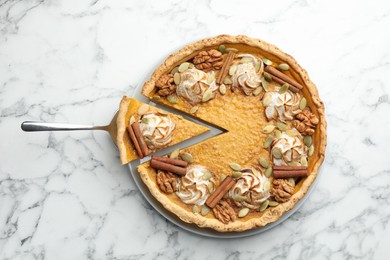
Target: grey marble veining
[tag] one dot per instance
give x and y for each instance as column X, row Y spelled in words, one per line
column 65, row 195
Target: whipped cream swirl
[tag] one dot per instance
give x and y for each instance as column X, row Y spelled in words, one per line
column 193, row 85
column 283, row 106
column 251, row 189
column 245, row 75
column 157, row 129
column 292, row 149
column 193, row 187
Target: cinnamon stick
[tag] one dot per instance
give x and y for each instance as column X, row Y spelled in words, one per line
column 171, row 161
column 140, row 138
column 290, row 87
column 288, row 168
column 276, row 73
column 159, row 165
column 225, row 67
column 290, row 174
column 217, row 195
column 135, row 141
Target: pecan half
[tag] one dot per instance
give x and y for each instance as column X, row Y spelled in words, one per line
column 165, row 85
column 306, row 122
column 281, row 190
column 167, row 181
column 208, row 60
column 224, row 212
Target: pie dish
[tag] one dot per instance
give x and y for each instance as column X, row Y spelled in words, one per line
column 274, row 142
column 159, row 128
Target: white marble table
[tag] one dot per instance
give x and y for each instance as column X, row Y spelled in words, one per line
column 65, row 195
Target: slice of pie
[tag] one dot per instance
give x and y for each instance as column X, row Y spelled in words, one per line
column 155, row 129
column 274, row 142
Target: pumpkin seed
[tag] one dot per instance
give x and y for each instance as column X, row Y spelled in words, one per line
column 143, row 109
column 267, row 186
column 267, row 99
column 273, row 203
column 258, row 66
column 207, row 175
column 145, row 120
column 268, row 141
column 231, row 49
column 294, row 164
column 264, row 84
column 246, row 60
column 311, row 150
column 277, row 153
column 302, row 104
column 281, row 126
column 238, row 198
column 222, row 177
column 264, row 206
column 268, row 172
column 195, row 209
column 232, row 69
column 284, row 88
column 176, row 78
column 235, row 166
column 227, row 81
column 267, row 61
column 172, row 99
column 210, row 187
column 263, row 162
column 205, row 210
column 268, row 129
column 257, row 91
column 243, row 212
column 175, row 69
column 222, row 89
column 148, row 142
column 162, row 112
column 283, row 66
column 174, row 154
column 184, row 66
column 156, row 97
column 207, row 96
column 278, row 134
column 291, row 181
column 292, row 132
column 187, row 157
column 307, row 140
column 222, row 48
column 303, row 161
column 236, row 174
column 132, row 120
column 194, row 109
column 210, row 78
column 267, row 76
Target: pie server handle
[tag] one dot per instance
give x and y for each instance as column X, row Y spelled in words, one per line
column 33, row 126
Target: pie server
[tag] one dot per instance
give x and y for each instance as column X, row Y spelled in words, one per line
column 34, row 126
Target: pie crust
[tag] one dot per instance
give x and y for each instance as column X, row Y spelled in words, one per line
column 242, row 141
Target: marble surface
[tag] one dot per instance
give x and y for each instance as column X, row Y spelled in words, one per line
column 65, row 195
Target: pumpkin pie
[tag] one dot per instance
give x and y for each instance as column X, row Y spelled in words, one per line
column 274, row 140
column 158, row 128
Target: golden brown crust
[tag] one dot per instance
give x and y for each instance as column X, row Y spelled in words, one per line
column 271, row 214
column 121, row 123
